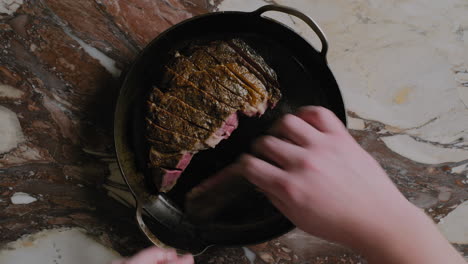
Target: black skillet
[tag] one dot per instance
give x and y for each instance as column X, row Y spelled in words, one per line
column 305, row 79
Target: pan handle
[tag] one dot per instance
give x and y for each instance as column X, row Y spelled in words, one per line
column 294, row 12
column 153, row 239
column 144, row 228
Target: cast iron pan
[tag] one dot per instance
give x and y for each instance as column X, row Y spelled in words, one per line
column 305, row 79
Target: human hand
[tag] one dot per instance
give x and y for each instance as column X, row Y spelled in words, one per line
column 320, row 178
column 317, row 175
column 155, row 255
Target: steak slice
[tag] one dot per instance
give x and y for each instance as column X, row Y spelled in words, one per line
column 175, row 123
column 175, row 106
column 159, row 134
column 198, row 102
column 173, row 161
column 255, row 60
column 170, row 156
column 225, row 77
column 244, row 69
column 164, row 179
column 187, row 72
column 199, row 99
column 167, row 162
column 215, row 81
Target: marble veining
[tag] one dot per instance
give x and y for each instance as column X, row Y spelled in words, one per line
column 22, row 198
column 356, row 123
column 423, row 152
column 57, row 246
column 9, row 6
column 455, row 224
column 11, row 134
column 103, row 59
column 250, row 255
column 460, row 169
column 10, row 92
column 402, row 66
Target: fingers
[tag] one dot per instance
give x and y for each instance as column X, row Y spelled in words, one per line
column 278, row 151
column 261, row 173
column 321, row 118
column 153, row 255
column 294, row 129
column 280, row 205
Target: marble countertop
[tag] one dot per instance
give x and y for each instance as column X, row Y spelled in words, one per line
column 402, row 66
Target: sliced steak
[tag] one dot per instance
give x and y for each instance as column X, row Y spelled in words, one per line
column 174, row 161
column 244, row 70
column 187, row 72
column 164, row 179
column 197, row 104
column 255, row 104
column 216, row 80
column 175, row 106
column 187, row 92
column 177, row 124
column 254, row 59
column 222, row 74
column 160, row 134
column 167, row 161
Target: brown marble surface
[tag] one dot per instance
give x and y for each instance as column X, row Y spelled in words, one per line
column 65, row 109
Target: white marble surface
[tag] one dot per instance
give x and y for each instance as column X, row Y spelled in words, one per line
column 422, row 152
column 57, row 246
column 403, row 63
column 22, row 198
column 250, row 255
column 10, row 92
column 11, row 134
column 455, row 224
column 9, row 6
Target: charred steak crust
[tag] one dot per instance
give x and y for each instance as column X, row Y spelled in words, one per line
column 203, row 90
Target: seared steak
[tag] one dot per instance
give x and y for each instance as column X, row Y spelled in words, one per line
column 203, row 81
column 244, row 69
column 228, row 80
column 203, row 90
column 199, row 99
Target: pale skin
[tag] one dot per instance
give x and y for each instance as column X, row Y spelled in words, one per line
column 317, row 175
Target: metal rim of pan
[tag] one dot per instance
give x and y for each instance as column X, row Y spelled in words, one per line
column 311, row 83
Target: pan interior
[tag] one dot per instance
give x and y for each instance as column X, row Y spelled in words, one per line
column 304, row 80
column 294, row 80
